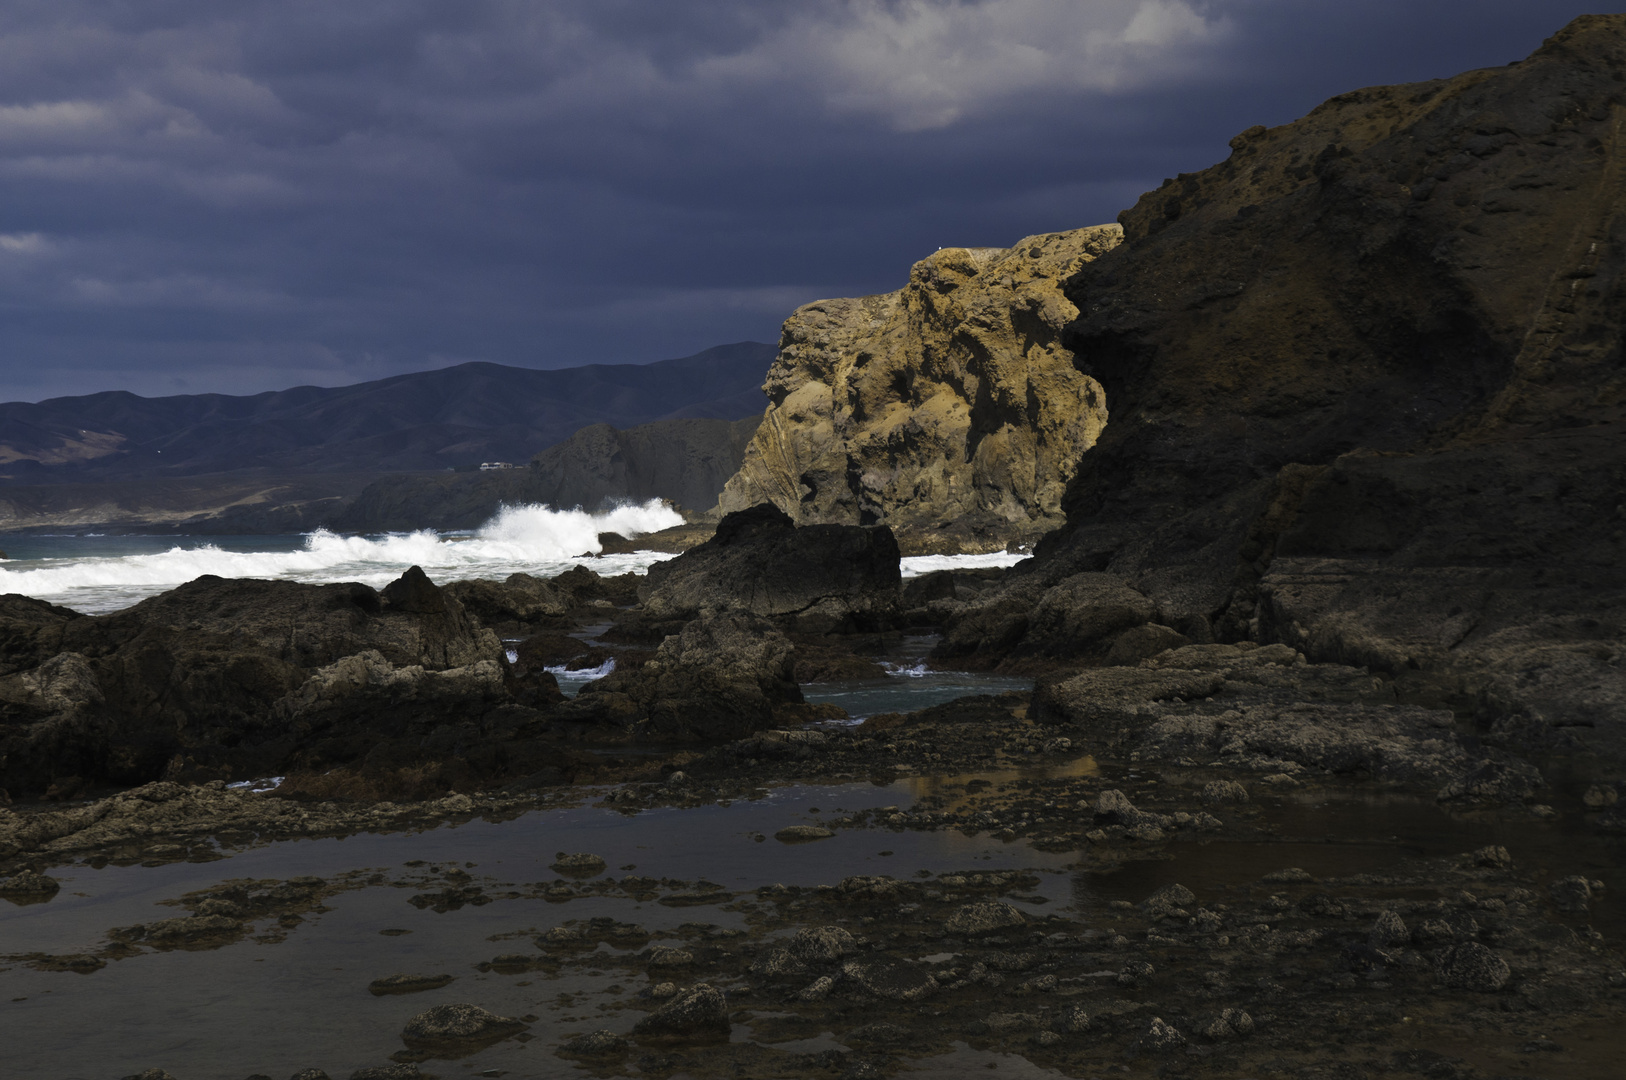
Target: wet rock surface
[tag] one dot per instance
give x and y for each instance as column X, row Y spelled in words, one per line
column 458, row 1023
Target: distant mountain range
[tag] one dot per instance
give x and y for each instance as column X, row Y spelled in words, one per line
column 456, row 417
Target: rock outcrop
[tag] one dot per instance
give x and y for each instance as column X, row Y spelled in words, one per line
column 222, row 676
column 815, row 579
column 1368, row 398
column 948, row 410
column 723, row 676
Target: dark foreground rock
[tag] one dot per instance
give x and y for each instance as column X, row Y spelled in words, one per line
column 700, row 1012
column 816, row 579
column 722, row 677
column 222, row 677
column 458, row 1023
column 527, row 601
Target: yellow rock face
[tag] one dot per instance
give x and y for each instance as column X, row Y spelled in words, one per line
column 948, row 410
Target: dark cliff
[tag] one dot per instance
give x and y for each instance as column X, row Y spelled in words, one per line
column 1366, row 393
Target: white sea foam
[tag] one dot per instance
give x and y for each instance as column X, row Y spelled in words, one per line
column 917, row 670
column 920, row 565
column 582, row 674
column 534, row 539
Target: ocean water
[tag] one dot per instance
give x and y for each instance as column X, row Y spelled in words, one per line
column 98, row 574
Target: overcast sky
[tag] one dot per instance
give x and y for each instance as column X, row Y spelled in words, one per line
column 236, row 195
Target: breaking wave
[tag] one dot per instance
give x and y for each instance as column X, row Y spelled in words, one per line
column 921, row 565
column 533, row 539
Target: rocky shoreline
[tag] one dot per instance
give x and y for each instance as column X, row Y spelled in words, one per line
column 1324, row 730
column 1124, row 759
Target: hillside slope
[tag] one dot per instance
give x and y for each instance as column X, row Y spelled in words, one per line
column 686, row 461
column 451, row 418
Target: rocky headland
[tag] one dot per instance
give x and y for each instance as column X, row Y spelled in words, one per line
column 948, row 410
column 1346, row 556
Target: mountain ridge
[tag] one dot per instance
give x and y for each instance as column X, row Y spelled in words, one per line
column 454, row 417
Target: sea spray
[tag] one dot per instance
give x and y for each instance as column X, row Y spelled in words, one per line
column 537, row 532
column 921, row 565
column 533, row 539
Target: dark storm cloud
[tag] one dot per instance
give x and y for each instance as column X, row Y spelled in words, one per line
column 240, row 196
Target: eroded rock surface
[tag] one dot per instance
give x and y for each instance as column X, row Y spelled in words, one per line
column 948, row 410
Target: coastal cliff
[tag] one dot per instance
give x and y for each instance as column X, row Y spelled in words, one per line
column 948, row 410
column 1368, row 398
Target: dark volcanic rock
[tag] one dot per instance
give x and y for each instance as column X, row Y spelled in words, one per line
column 523, row 599
column 28, row 883
column 461, row 1022
column 1262, row 708
column 818, row 579
column 407, row 984
column 700, row 1012
column 223, row 676
column 593, row 1044
column 1472, row 966
column 1365, row 388
column 722, row 677
column 985, row 917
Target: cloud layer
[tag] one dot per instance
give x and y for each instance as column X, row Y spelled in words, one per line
column 241, row 195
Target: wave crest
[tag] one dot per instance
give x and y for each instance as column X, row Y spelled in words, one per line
column 530, row 538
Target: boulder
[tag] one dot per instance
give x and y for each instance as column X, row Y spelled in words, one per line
column 984, row 917
column 700, row 1012
column 799, row 834
column 593, row 1044
column 821, row 944
column 890, row 979
column 817, row 579
column 459, row 1023
column 1472, row 966
column 578, row 863
column 1107, row 697
column 720, row 678
column 1144, row 642
column 29, row 884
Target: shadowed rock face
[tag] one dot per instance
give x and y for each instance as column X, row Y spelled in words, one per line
column 235, row 675
column 947, row 410
column 818, row 579
column 723, row 676
column 1367, row 394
